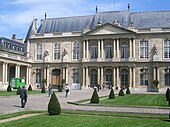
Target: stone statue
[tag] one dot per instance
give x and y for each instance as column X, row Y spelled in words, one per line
column 155, row 50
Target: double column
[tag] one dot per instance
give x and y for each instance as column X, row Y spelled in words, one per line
column 17, row 71
column 132, row 76
column 131, row 48
column 100, row 75
column 65, row 73
column 116, row 77
column 85, row 77
column 4, row 73
column 116, row 48
column 85, row 49
column 156, row 73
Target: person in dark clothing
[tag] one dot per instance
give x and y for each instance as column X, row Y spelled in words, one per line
column 23, row 96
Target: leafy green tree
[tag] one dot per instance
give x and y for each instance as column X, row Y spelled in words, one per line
column 9, row 89
column 54, row 107
column 112, row 95
column 95, row 97
column 121, row 92
column 128, row 91
column 167, row 94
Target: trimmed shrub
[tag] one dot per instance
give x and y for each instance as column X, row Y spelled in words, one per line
column 167, row 94
column 43, row 89
column 128, row 91
column 18, row 91
column 9, row 89
column 121, row 93
column 30, row 88
column 112, row 94
column 54, row 105
column 95, row 97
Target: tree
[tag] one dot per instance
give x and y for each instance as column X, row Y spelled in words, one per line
column 156, row 82
column 112, row 95
column 167, row 94
column 9, row 89
column 95, row 97
column 54, row 107
column 121, row 93
column 29, row 88
column 128, row 91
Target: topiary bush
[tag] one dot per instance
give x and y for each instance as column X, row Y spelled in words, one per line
column 128, row 91
column 112, row 95
column 9, row 89
column 54, row 105
column 121, row 92
column 95, row 97
column 43, row 89
column 18, row 91
column 30, row 88
column 167, row 94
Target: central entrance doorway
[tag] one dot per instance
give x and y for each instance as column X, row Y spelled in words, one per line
column 56, row 78
column 124, row 79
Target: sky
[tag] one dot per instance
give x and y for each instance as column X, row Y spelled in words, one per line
column 16, row 15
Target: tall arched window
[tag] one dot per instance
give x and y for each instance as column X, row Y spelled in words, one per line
column 57, row 48
column 94, row 51
column 124, row 50
column 93, row 80
column 38, row 51
column 108, row 77
column 167, row 76
column 108, row 51
column 144, row 49
column 75, row 76
column 144, row 74
column 76, row 50
column 167, row 49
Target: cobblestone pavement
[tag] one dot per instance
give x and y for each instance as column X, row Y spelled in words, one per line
column 40, row 102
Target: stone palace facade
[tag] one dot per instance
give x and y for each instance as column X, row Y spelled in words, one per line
column 122, row 48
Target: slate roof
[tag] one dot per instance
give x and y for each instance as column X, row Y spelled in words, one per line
column 141, row 20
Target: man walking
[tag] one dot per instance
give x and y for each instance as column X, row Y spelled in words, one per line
column 23, row 96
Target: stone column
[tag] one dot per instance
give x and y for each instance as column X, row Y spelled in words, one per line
column 83, row 77
column 67, row 78
column 130, row 48
column 118, row 78
column 98, row 48
column 28, row 48
column 48, row 77
column 114, row 77
column 102, row 53
column 6, row 72
column 134, row 48
column 3, row 73
column 101, row 76
column 87, row 77
column 27, row 75
column 87, row 49
column 16, row 71
column 134, row 76
column 98, row 76
column 158, row 74
column 114, row 48
column 84, row 51
column 154, row 73
column 19, row 69
column 130, row 77
column 117, row 48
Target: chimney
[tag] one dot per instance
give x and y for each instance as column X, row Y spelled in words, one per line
column 14, row 37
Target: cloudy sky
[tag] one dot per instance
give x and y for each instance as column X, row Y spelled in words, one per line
column 16, row 15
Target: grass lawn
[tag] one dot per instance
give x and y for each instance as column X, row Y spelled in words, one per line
column 137, row 100
column 5, row 93
column 88, row 119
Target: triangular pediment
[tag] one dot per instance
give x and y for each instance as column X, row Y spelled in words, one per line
column 109, row 29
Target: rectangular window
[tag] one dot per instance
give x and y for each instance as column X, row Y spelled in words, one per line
column 144, row 49
column 75, row 77
column 76, row 50
column 38, row 75
column 144, row 76
column 57, row 47
column 94, row 51
column 108, row 52
column 167, row 49
column 39, row 52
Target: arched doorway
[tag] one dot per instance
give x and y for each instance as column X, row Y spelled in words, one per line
column 124, row 78
column 56, row 77
column 108, row 77
column 93, row 78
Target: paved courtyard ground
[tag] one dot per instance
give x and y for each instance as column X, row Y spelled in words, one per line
column 10, row 104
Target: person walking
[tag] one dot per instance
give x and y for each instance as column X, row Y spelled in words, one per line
column 23, row 96
column 67, row 89
column 49, row 89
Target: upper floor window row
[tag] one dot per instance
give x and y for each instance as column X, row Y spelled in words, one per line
column 13, row 46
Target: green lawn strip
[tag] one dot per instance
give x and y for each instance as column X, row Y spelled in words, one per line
column 137, row 100
column 12, row 93
column 84, row 119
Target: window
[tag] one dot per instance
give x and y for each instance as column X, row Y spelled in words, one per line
column 94, row 51
column 108, row 77
column 124, row 50
column 75, row 76
column 38, row 75
column 144, row 49
column 167, row 49
column 93, row 80
column 108, row 51
column 57, row 48
column 76, row 50
column 39, row 52
column 167, row 77
column 144, row 76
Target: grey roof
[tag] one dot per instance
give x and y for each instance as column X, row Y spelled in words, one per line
column 148, row 19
